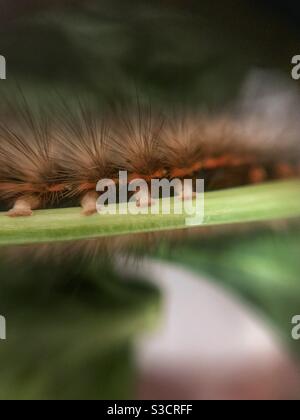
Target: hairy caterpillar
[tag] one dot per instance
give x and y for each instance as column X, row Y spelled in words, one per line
column 60, row 156
column 44, row 163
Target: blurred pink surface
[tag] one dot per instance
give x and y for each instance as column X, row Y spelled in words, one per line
column 210, row 345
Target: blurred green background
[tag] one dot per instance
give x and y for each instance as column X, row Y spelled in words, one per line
column 185, row 52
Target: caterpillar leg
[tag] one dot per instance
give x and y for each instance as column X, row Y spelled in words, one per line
column 285, row 170
column 24, row 206
column 185, row 193
column 257, row 174
column 88, row 203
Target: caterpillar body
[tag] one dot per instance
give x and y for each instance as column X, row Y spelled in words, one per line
column 52, row 160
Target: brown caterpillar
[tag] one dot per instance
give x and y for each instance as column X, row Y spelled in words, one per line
column 57, row 157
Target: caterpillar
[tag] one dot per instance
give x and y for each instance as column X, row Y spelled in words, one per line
column 58, row 157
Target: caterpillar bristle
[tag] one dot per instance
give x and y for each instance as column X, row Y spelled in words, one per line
column 136, row 140
column 82, row 152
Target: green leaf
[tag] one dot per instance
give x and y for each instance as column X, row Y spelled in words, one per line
column 270, row 201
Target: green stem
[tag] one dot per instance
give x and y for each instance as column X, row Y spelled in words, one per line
column 270, row 201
